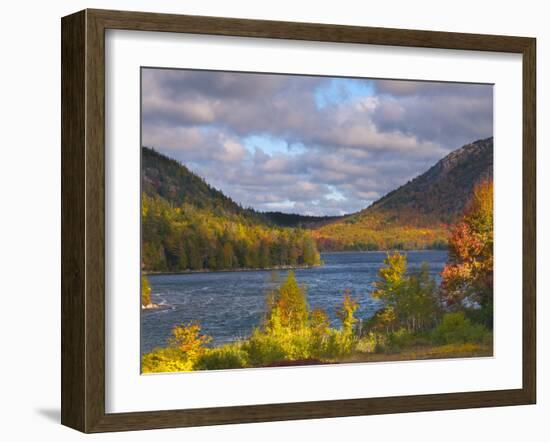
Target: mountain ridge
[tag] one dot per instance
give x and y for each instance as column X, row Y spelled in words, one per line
column 187, row 225
column 419, row 213
column 177, row 184
column 416, row 214
column 459, row 171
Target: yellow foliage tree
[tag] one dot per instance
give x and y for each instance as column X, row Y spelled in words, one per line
column 287, row 305
column 187, row 338
column 145, row 291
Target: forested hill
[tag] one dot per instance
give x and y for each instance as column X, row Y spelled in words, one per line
column 442, row 192
column 189, row 225
column 418, row 213
column 436, row 196
column 176, row 184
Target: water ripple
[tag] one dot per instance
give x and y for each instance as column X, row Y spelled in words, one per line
column 229, row 304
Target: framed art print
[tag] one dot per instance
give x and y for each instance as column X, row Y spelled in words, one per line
column 269, row 220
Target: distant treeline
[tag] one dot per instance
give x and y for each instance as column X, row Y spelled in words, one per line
column 189, row 225
column 296, row 220
column 190, row 238
column 381, row 231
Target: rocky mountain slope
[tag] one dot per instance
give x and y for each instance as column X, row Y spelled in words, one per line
column 418, row 213
column 443, row 190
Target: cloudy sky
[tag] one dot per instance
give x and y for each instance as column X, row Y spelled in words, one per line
column 309, row 145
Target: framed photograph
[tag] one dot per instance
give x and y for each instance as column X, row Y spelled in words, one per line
column 269, row 220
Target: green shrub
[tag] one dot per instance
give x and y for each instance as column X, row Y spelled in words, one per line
column 397, row 340
column 185, row 347
column 162, row 360
column 263, row 349
column 224, row 357
column 488, row 339
column 402, row 338
column 338, row 343
column 367, row 343
column 456, row 328
column 483, row 315
column 292, row 332
column 288, row 345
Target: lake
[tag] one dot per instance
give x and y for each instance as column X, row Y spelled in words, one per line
column 229, row 305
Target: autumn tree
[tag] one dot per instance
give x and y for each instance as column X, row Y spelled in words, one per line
column 387, row 288
column 287, row 305
column 319, row 322
column 188, row 339
column 410, row 301
column 391, row 278
column 228, row 256
column 468, row 274
column 346, row 312
column 311, row 255
column 188, row 237
column 145, row 291
column 419, row 305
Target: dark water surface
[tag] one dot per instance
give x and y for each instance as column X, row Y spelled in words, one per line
column 229, row 304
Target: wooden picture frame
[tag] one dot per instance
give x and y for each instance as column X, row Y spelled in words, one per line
column 83, row 220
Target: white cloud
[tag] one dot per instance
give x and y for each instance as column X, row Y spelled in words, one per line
column 352, row 151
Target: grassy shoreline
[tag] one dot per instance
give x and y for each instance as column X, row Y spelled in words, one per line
column 384, row 250
column 245, row 269
column 425, row 352
column 413, row 353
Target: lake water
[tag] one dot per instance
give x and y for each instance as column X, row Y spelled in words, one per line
column 229, row 305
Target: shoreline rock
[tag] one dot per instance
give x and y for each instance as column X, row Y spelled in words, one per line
column 152, row 307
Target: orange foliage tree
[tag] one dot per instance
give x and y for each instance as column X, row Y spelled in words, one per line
column 189, row 340
column 467, row 279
